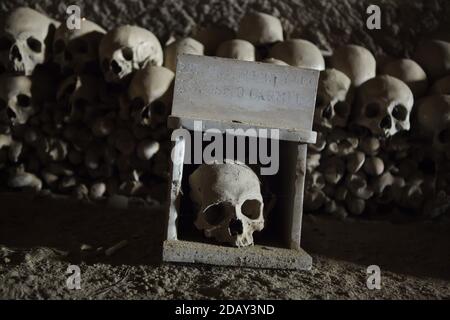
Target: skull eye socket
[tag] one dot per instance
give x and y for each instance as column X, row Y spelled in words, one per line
column 137, row 103
column 105, row 64
column 372, row 110
column 127, row 54
column 341, row 109
column 251, row 209
column 327, row 113
column 5, row 44
column 24, row 101
column 3, row 105
column 59, row 46
column 235, row 227
column 158, row 108
column 444, row 136
column 216, row 213
column 34, row 44
column 81, row 46
column 400, row 112
column 386, row 123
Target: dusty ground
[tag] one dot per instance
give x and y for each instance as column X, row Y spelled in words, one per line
column 36, row 245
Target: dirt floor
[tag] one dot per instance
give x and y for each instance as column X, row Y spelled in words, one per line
column 37, row 245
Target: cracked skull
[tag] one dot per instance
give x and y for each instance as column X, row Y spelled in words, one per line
column 333, row 103
column 77, row 50
column 16, row 99
column 230, row 202
column 127, row 49
column 23, row 40
column 383, row 106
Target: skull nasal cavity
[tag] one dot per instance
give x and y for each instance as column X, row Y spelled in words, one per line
column 236, row 227
column 386, row 123
column 327, row 112
column 115, row 67
column 15, row 53
column 11, row 114
column 145, row 114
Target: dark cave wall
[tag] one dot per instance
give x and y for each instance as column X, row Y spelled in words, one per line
column 327, row 23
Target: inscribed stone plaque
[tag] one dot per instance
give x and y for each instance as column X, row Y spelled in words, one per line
column 255, row 93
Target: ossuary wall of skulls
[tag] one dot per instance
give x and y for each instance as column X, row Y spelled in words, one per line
column 84, row 111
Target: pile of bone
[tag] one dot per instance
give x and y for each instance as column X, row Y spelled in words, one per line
column 383, row 134
column 83, row 111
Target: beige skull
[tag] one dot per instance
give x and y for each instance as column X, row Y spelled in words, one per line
column 182, row 46
column 230, row 202
column 80, row 95
column 24, row 35
column 433, row 119
column 410, row 73
column 334, row 100
column 16, row 99
column 237, row 49
column 356, row 62
column 383, row 105
column 275, row 61
column 77, row 49
column 127, row 49
column 149, row 95
column 442, row 86
column 260, row 29
column 434, row 57
column 298, row 53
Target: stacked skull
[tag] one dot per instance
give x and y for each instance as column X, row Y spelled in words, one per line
column 376, row 147
column 83, row 112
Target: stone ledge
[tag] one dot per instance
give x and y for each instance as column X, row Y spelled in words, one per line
column 253, row 257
